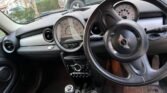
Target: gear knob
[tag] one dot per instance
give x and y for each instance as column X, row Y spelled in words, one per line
column 69, row 89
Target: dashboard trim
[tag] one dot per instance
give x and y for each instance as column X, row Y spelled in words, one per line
column 39, row 50
column 36, row 40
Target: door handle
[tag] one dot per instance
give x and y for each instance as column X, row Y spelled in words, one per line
column 5, row 73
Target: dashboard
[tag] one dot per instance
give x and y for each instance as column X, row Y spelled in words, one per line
column 48, row 36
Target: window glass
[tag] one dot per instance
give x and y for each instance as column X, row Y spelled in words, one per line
column 25, row 11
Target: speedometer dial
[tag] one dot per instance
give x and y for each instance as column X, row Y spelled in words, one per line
column 127, row 10
column 68, row 33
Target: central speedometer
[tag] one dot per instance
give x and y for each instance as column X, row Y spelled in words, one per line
column 68, row 33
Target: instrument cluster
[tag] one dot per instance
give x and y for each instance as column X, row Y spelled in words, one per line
column 127, row 10
column 68, row 33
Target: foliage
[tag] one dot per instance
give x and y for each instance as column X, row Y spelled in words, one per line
column 26, row 14
column 47, row 5
column 22, row 16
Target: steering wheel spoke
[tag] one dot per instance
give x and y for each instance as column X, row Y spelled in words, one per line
column 108, row 19
column 139, row 68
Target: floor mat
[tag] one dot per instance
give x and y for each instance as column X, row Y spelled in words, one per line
column 144, row 89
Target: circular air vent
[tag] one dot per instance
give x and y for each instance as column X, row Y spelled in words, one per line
column 8, row 46
column 96, row 30
column 48, row 35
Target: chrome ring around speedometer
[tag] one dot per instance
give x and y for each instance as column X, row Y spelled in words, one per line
column 127, row 10
column 68, row 33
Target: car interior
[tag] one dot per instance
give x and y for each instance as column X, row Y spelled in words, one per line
column 114, row 46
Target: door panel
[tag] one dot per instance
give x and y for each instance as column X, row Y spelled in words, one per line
column 7, row 71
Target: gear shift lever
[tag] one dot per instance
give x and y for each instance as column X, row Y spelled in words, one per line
column 69, row 89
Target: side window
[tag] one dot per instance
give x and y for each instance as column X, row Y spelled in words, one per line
column 2, row 34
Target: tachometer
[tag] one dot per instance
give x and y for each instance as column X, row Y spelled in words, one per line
column 68, row 33
column 127, row 10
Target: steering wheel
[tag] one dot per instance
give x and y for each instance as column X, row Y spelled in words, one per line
column 125, row 41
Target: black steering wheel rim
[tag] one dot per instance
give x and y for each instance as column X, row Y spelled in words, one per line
column 150, row 77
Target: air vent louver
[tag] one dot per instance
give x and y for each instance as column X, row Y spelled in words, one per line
column 8, row 46
column 48, row 35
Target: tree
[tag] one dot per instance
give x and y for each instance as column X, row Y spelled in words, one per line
column 34, row 7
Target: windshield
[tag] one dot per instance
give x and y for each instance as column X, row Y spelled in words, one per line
column 24, row 11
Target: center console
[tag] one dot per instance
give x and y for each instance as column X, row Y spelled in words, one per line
column 77, row 67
